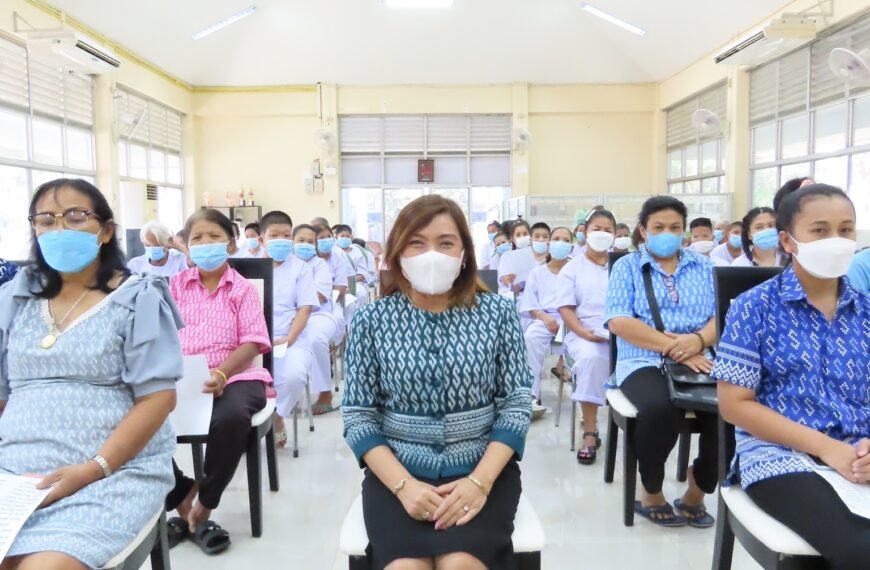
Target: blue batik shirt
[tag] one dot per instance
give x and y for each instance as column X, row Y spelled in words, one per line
column 801, row 366
column 626, row 297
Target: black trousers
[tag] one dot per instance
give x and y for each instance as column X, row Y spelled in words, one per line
column 807, row 504
column 227, row 439
column 657, row 429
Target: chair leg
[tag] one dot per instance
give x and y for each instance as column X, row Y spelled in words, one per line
column 610, row 452
column 559, row 404
column 358, row 563
column 296, row 431
column 528, row 560
column 255, row 484
column 271, row 460
column 630, row 475
column 308, row 401
column 683, row 454
column 198, row 460
column 160, row 550
column 573, row 422
column 723, row 548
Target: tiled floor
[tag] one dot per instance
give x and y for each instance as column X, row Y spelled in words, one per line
column 580, row 513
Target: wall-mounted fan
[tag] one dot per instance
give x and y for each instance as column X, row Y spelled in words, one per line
column 522, row 140
column 326, row 140
column 853, row 68
column 707, row 123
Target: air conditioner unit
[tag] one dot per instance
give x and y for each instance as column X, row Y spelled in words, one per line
column 70, row 49
column 780, row 36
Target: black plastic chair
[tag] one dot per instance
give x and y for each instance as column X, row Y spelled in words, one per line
column 151, row 542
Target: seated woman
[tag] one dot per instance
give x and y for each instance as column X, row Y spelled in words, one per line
column 488, row 249
column 340, row 268
column 581, row 293
column 797, row 397
column 501, row 245
column 682, row 282
column 437, row 402
column 530, row 243
column 160, row 257
column 760, row 240
column 89, row 357
column 224, row 320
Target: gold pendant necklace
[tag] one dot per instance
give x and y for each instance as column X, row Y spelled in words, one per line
column 50, row 339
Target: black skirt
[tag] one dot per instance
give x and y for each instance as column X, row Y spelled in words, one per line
column 394, row 535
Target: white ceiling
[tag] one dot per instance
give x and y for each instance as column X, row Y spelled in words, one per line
column 475, row 42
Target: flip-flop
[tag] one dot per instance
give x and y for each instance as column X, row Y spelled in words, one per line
column 177, row 530
column 321, row 409
column 211, row 538
column 673, row 521
column 697, row 515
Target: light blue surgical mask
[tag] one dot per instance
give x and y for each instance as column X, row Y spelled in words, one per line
column 735, row 241
column 560, row 250
column 664, row 244
column 325, row 245
column 209, row 256
column 581, row 236
column 718, row 235
column 155, row 253
column 492, row 236
column 539, row 247
column 253, row 243
column 279, row 249
column 503, row 248
column 766, row 239
column 304, row 251
column 68, row 251
column 344, row 242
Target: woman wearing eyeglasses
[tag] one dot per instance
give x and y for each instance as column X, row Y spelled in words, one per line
column 89, row 357
column 682, row 281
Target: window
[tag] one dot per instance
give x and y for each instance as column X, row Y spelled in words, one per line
column 379, row 157
column 696, row 160
column 808, row 122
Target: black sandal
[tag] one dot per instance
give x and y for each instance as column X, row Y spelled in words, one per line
column 587, row 455
column 211, row 538
column 177, row 530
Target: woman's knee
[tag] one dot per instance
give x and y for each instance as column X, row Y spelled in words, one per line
column 458, row 561
column 48, row 561
column 410, row 564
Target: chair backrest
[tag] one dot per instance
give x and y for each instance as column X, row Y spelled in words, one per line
column 489, row 278
column 259, row 273
column 612, row 258
column 729, row 283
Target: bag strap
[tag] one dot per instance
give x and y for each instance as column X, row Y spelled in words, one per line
column 651, row 298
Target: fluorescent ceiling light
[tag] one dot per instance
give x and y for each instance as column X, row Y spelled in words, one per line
column 418, row 3
column 612, row 19
column 224, row 23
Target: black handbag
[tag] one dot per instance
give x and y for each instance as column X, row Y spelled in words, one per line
column 688, row 389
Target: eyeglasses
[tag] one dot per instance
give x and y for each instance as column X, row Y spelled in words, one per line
column 73, row 219
column 671, row 286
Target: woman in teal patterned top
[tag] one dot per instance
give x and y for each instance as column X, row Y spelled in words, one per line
column 437, row 401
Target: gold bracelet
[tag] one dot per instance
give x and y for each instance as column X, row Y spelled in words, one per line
column 703, row 342
column 477, row 482
column 222, row 375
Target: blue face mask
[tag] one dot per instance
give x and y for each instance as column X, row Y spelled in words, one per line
column 344, row 242
column 718, row 235
column 766, row 239
column 581, row 236
column 68, row 251
column 253, row 243
column 155, row 253
column 539, row 247
column 304, row 251
column 279, row 249
column 735, row 241
column 560, row 250
column 209, row 256
column 325, row 245
column 664, row 244
column 492, row 236
column 503, row 248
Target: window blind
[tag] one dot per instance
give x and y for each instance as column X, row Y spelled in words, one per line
column 448, row 134
column 825, row 86
column 680, row 131
column 491, row 133
column 360, row 135
column 148, row 122
column 57, row 93
column 762, row 94
column 13, row 75
column 404, row 134
column 418, row 135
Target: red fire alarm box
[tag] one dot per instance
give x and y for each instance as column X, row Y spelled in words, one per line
column 426, row 171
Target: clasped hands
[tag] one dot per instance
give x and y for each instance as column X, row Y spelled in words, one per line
column 455, row 503
column 687, row 349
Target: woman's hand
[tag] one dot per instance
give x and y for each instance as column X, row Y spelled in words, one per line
column 458, row 496
column 214, row 385
column 841, row 456
column 699, row 363
column 861, row 466
column 508, row 280
column 682, row 346
column 589, row 336
column 549, row 322
column 67, row 480
column 420, row 500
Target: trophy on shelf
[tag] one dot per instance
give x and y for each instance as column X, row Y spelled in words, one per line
column 250, row 196
column 229, row 198
column 241, row 197
column 207, row 200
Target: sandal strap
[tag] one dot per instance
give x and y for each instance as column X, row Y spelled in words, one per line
column 596, row 434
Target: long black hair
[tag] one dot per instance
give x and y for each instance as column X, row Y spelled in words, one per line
column 652, row 206
column 112, row 260
column 792, row 203
column 601, row 213
column 747, row 222
column 788, row 188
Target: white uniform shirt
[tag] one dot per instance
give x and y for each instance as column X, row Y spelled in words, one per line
column 744, row 261
column 176, row 263
column 518, row 262
column 484, row 258
column 322, row 283
column 340, row 267
column 540, row 293
column 722, row 253
column 583, row 285
column 293, row 288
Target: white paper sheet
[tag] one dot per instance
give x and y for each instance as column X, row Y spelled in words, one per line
column 278, row 351
column 19, row 498
column 519, row 262
column 192, row 414
column 602, row 333
column 856, row 497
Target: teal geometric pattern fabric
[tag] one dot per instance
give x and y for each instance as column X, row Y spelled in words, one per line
column 437, row 387
column 801, row 366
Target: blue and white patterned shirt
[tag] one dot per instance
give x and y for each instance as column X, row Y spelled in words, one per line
column 626, row 297
column 437, row 387
column 811, row 371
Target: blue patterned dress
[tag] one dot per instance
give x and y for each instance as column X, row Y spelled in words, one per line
column 64, row 402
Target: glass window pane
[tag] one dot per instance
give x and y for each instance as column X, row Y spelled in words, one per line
column 400, row 170
column 491, row 171
column 394, row 201
column 13, row 135
column 764, row 186
column 764, row 144
column 486, row 206
column 861, row 120
column 47, row 142
column 362, row 210
column 830, row 129
column 40, row 177
column 795, row 137
column 858, row 192
column 690, row 158
column 675, row 164
column 173, row 169
column 452, row 170
column 79, row 149
column 710, row 186
column 138, row 162
column 157, row 164
column 833, row 171
column 458, row 195
column 14, row 227
column 676, row 188
column 170, row 207
column 791, row 171
column 122, row 159
column 709, row 157
column 361, row 171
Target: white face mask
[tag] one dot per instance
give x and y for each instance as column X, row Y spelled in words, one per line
column 599, row 241
column 703, row 247
column 432, row 273
column 622, row 243
column 826, row 258
column 523, row 242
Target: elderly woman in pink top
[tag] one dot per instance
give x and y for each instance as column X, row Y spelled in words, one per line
column 223, row 320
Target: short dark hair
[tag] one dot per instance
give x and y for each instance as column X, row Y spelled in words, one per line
column 747, row 222
column 275, row 217
column 652, row 206
column 701, row 223
column 792, row 203
column 496, row 224
column 209, row 215
column 318, row 229
column 520, row 223
column 737, row 224
column 303, row 227
column 253, row 226
column 338, row 228
column 621, row 226
column 540, row 226
column 787, row 189
column 360, row 242
column 320, row 221
column 111, row 259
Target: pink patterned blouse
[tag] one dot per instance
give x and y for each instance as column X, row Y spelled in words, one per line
column 218, row 323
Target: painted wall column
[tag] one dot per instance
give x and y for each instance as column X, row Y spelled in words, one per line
column 737, row 143
column 105, row 140
column 520, row 160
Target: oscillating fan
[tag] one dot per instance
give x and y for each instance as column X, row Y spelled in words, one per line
column 522, row 140
column 707, row 123
column 326, row 140
column 850, row 66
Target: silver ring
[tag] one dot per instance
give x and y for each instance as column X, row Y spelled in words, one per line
column 465, row 508
column 426, row 516
column 681, row 353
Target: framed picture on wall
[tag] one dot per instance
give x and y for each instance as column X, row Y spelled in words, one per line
column 426, row 171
